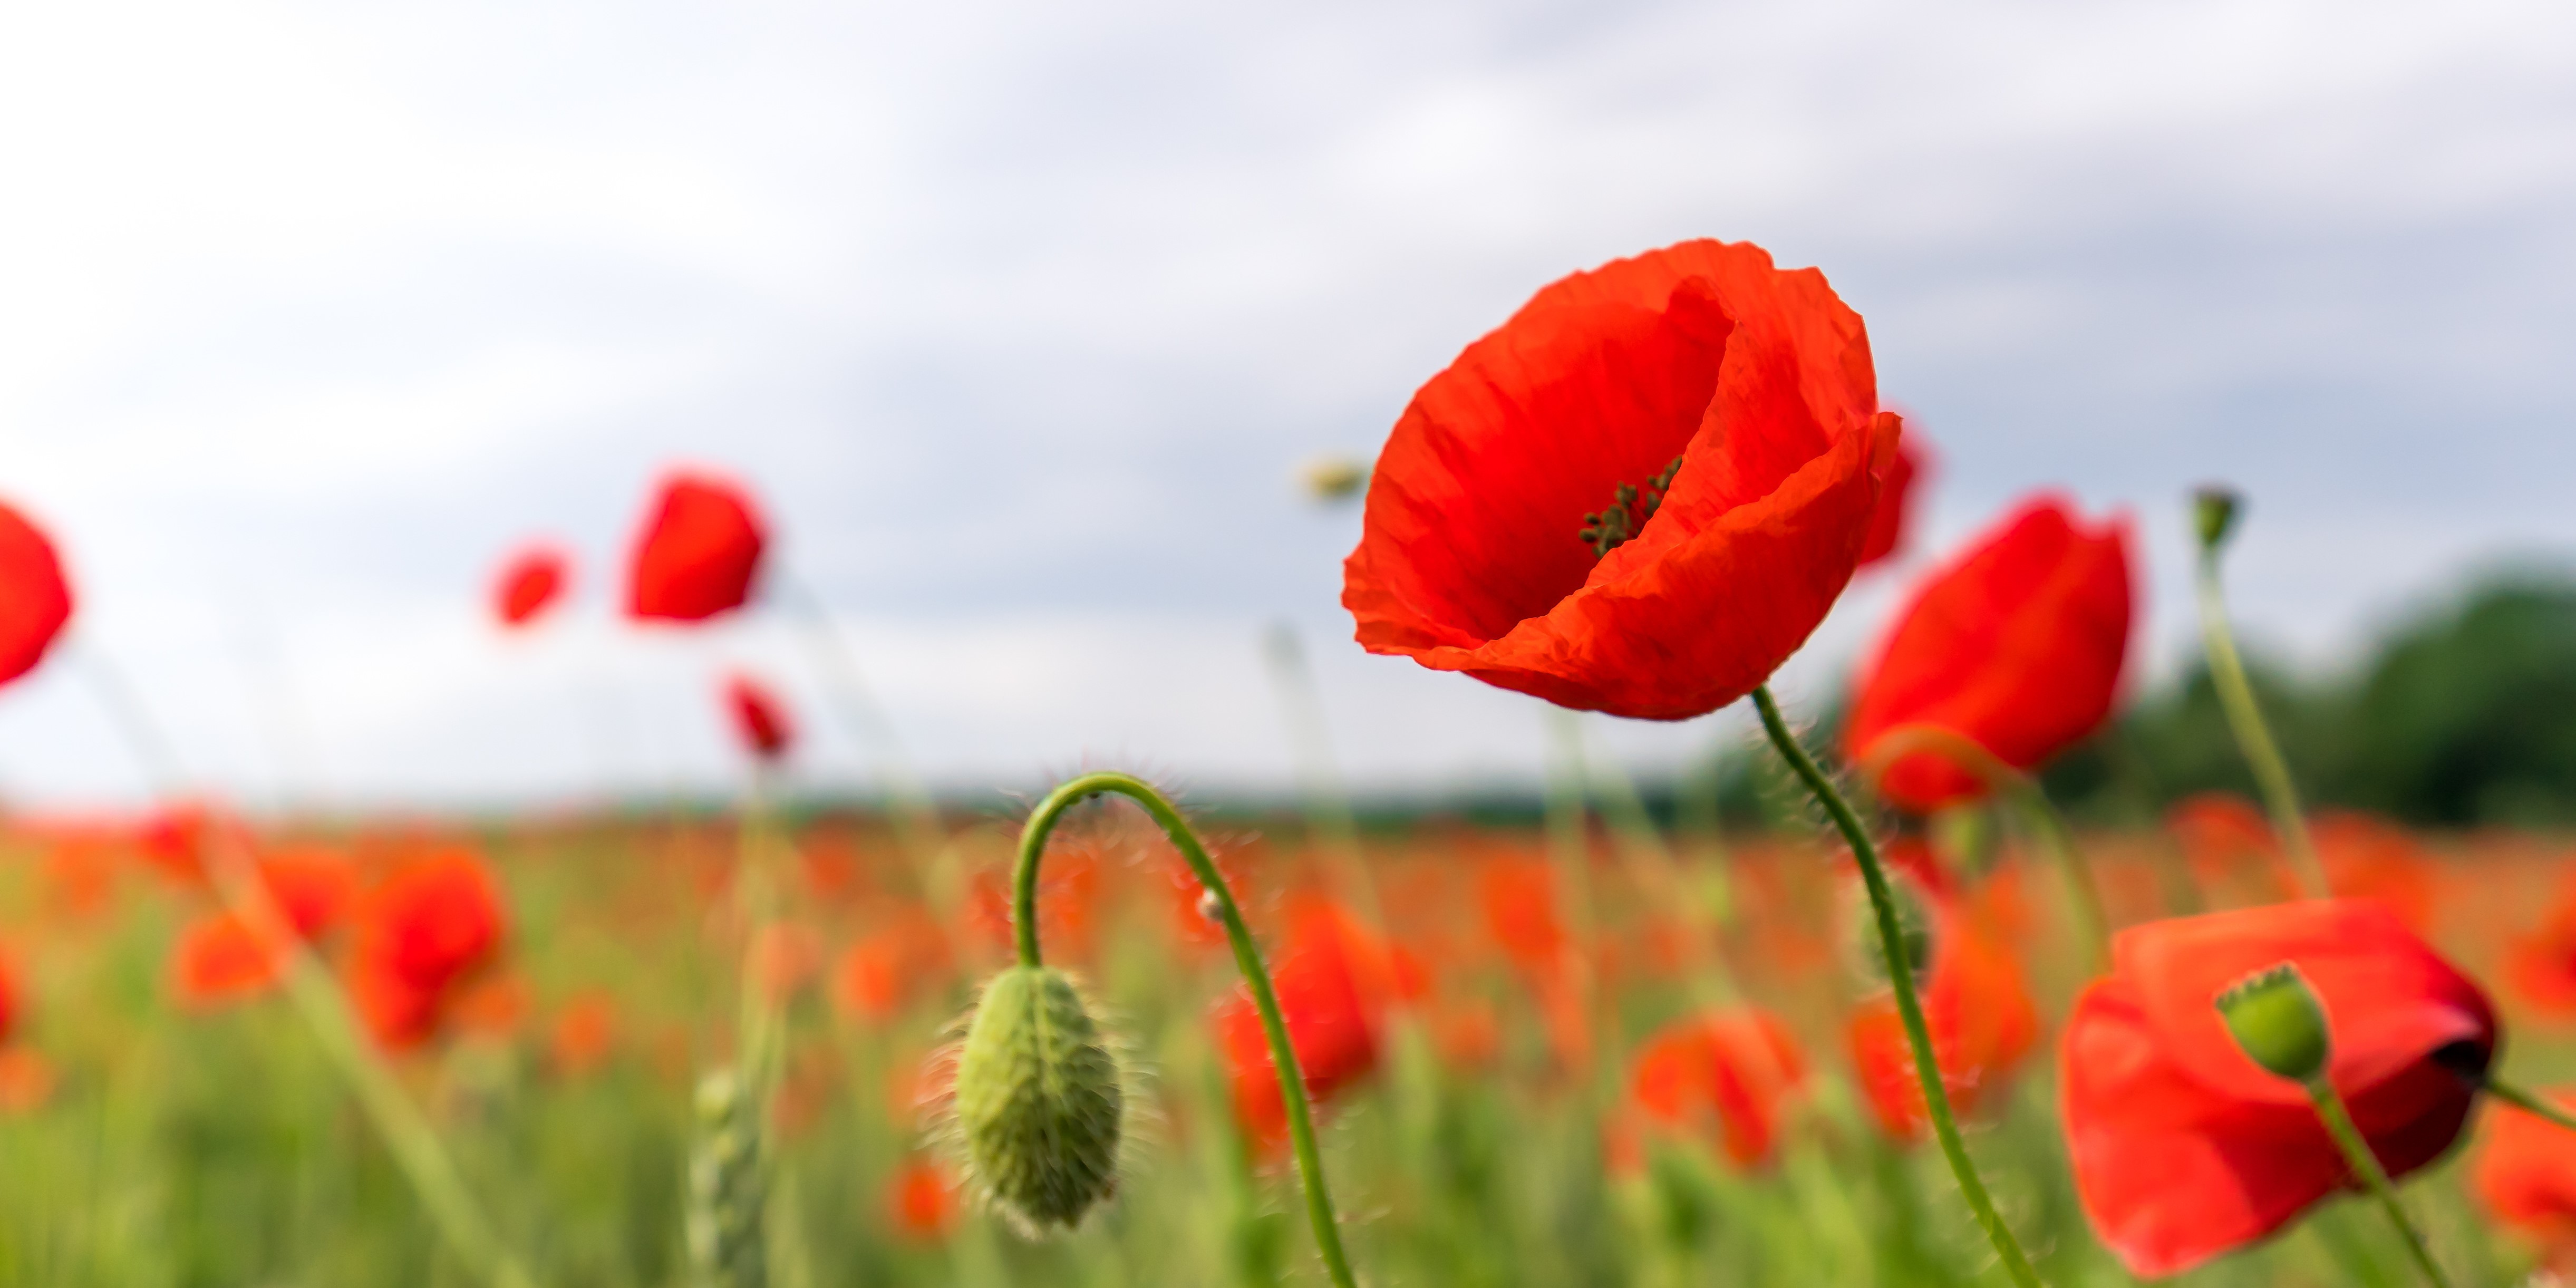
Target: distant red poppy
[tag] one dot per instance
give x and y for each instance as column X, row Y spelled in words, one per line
column 218, row 959
column 2526, row 1176
column 785, row 957
column 698, row 552
column 585, row 1033
column 1519, row 897
column 1889, row 523
column 1638, row 495
column 421, row 933
column 921, row 1198
column 2541, row 966
column 314, row 886
column 1334, row 982
column 759, row 718
column 173, row 841
column 2183, row 1147
column 2367, row 857
column 35, row 600
column 2227, row 840
column 530, row 582
column 12, row 997
column 880, row 973
column 26, row 1080
column 1977, row 1005
column 2018, row 646
column 1729, row 1070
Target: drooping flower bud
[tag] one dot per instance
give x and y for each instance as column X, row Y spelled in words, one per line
column 1329, row 479
column 1039, row 1101
column 2213, row 514
column 2275, row 1018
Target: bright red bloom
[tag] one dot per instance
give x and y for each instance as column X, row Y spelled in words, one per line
column 1735, row 1067
column 1887, row 526
column 2183, row 1147
column 698, row 552
column 1334, row 981
column 530, row 582
column 427, row 928
column 1519, row 897
column 2018, row 646
column 35, row 600
column 315, row 888
column 1983, row 1023
column 1706, row 419
column 2366, row 857
column 218, row 958
column 759, row 718
column 2526, row 1176
column 881, row 973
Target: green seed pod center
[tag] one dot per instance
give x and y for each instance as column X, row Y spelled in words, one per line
column 1039, row 1103
column 2275, row 1018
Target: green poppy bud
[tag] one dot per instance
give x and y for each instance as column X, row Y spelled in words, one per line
column 2213, row 514
column 1328, row 479
column 1039, row 1105
column 2275, row 1018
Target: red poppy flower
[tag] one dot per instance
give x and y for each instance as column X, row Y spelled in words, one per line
column 1639, row 495
column 1983, row 1022
column 1334, row 981
column 315, row 888
column 921, row 1197
column 698, row 552
column 1735, row 1067
column 585, row 1032
column 26, row 1080
column 1888, row 524
column 2017, row 646
column 218, row 959
column 2183, row 1147
column 424, row 930
column 2372, row 858
column 785, row 957
column 1519, row 897
column 530, row 582
column 2227, row 841
column 2526, row 1176
column 2541, row 966
column 759, row 718
column 881, row 973
column 35, row 600
column 12, row 997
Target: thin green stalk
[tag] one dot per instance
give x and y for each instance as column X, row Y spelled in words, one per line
column 315, row 994
column 1328, row 806
column 2528, row 1103
column 2253, row 736
column 915, row 816
column 1247, row 960
column 1654, row 869
column 1569, row 848
column 1900, row 977
column 2356, row 1152
column 2038, row 813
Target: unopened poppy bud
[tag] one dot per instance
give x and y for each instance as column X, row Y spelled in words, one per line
column 2213, row 514
column 1039, row 1105
column 1332, row 478
column 2275, row 1018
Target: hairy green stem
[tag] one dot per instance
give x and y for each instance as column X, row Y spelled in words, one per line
column 317, row 995
column 1247, row 960
column 2356, row 1153
column 2253, row 735
column 1900, row 978
column 2029, row 799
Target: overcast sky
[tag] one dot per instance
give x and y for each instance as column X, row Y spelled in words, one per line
column 1020, row 316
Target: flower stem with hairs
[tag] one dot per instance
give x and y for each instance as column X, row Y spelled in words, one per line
column 2215, row 510
column 1900, row 978
column 1247, row 959
column 2356, row 1152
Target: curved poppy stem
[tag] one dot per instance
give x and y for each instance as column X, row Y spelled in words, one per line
column 1900, row 978
column 2356, row 1153
column 2026, row 795
column 1247, row 960
column 2529, row 1104
column 2253, row 735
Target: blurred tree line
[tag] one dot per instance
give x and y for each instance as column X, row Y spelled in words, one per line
column 2463, row 714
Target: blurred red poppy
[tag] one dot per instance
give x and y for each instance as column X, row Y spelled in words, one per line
column 2541, row 965
column 218, row 959
column 530, row 582
column 921, row 1197
column 26, row 1080
column 585, row 1033
column 785, row 957
column 1889, row 523
column 1334, row 982
column 698, row 552
column 315, row 887
column 1638, row 495
column 1730, row 1071
column 2227, row 841
column 2183, row 1147
column 1977, row 1004
column 2017, row 646
column 2526, row 1176
column 1519, row 898
column 423, row 931
column 35, row 600
column 759, row 718
column 2366, row 857
column 882, row 972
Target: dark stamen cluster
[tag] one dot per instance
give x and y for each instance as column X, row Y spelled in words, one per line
column 1608, row 529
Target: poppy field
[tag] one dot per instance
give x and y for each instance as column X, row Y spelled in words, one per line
column 1875, row 1005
